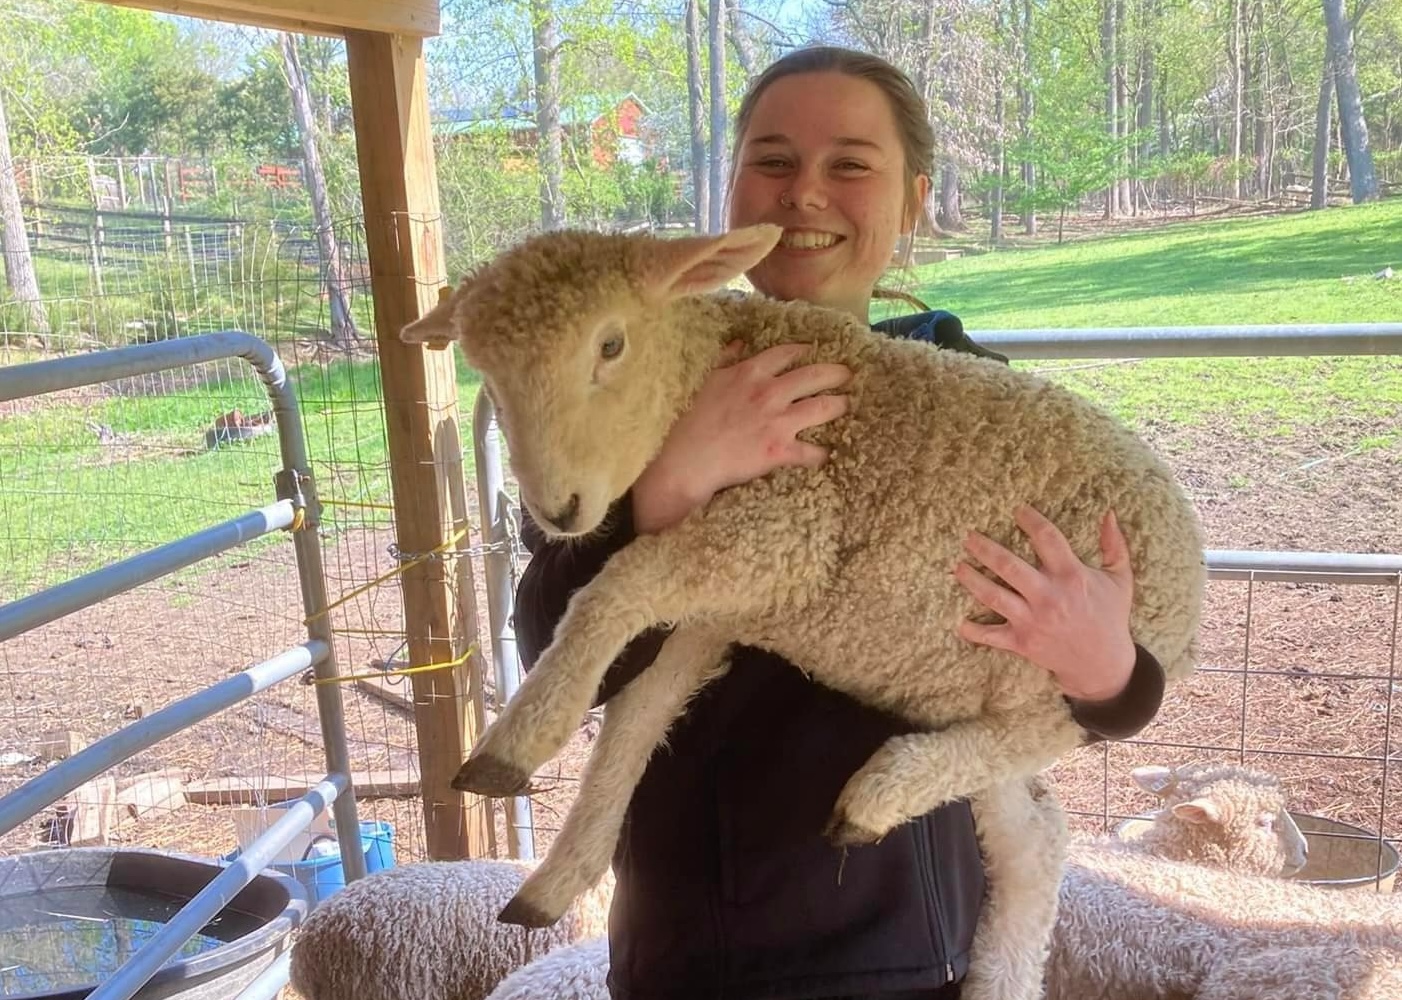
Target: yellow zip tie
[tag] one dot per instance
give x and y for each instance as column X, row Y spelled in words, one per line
column 356, row 503
column 401, row 672
column 383, row 633
column 404, row 567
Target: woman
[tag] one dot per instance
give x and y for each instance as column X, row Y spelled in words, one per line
column 725, row 886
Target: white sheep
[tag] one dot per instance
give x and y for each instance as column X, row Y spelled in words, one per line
column 1160, row 917
column 591, row 345
column 577, row 972
column 430, row 930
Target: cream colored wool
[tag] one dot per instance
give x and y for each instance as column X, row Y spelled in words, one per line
column 1135, row 927
column 579, row 972
column 591, row 345
column 429, row 931
column 1197, row 907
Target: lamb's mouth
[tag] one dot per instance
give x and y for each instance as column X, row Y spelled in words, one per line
column 808, row 239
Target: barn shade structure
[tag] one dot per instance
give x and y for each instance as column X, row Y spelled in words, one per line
column 403, row 235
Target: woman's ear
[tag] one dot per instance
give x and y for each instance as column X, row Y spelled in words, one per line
column 920, row 190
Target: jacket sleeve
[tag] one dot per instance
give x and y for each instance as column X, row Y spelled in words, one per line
column 1131, row 710
column 556, row 570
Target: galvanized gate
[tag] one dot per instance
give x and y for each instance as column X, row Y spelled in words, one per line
column 295, row 510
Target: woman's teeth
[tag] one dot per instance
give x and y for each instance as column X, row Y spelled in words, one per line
column 808, row 240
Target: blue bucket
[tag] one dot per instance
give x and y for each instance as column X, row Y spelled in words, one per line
column 325, row 875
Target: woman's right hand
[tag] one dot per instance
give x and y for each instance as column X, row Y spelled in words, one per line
column 742, row 424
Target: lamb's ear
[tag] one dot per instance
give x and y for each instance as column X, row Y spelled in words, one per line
column 1154, row 778
column 434, row 329
column 1201, row 811
column 694, row 265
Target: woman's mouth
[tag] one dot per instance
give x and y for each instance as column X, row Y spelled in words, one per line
column 808, row 239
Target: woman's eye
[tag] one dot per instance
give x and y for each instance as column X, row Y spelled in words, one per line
column 850, row 166
column 611, row 348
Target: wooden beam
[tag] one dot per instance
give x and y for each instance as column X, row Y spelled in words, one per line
column 418, row 18
column 399, row 192
column 270, row 788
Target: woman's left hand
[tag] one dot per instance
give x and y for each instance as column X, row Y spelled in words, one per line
column 1068, row 618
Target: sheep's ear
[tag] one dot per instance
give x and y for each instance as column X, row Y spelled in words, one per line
column 434, row 328
column 1154, row 778
column 1201, row 811
column 697, row 264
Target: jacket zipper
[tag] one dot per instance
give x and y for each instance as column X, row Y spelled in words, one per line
column 930, row 884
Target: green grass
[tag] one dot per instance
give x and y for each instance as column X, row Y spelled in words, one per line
column 69, row 503
column 1279, row 269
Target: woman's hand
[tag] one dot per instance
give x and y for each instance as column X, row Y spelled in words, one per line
column 1068, row 618
column 742, row 425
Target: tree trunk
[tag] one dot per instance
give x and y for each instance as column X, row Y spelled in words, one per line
column 1108, row 49
column 14, row 241
column 1126, row 112
column 1026, row 110
column 549, row 143
column 741, row 43
column 716, row 24
column 343, row 331
column 950, row 215
column 696, row 119
column 1363, row 182
column 1237, row 42
column 995, row 228
column 1323, row 127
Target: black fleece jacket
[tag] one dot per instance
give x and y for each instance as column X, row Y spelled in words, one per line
column 725, row 887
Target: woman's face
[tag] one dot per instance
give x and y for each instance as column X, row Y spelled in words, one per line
column 822, row 158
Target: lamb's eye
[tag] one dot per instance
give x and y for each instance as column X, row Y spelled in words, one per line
column 612, row 347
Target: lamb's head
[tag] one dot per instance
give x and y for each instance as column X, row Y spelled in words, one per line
column 1222, row 815
column 583, row 343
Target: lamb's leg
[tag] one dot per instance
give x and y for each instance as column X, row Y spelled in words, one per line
column 736, row 557
column 910, row 775
column 635, row 722
column 1022, row 830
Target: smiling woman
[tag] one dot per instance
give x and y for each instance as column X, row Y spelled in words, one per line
column 822, row 154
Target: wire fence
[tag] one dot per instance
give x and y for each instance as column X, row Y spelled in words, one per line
column 93, row 475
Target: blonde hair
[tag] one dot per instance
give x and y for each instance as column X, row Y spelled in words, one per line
column 907, row 108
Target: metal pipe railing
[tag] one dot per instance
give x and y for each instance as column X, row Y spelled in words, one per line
column 498, row 570
column 58, row 780
column 1317, row 339
column 297, row 509
column 30, row 612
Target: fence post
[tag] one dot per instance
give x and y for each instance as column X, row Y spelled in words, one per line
column 404, row 241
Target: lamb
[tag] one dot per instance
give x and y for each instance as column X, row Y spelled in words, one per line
column 1166, row 917
column 429, row 930
column 577, row 972
column 591, row 345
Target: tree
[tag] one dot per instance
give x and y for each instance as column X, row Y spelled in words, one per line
column 696, row 119
column 1363, row 182
column 19, row 265
column 545, row 48
column 719, row 116
column 343, row 328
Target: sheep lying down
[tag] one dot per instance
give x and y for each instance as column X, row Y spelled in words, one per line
column 591, row 345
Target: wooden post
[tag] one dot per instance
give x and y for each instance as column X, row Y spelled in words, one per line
column 404, row 241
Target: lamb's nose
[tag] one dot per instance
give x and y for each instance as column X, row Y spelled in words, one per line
column 564, row 518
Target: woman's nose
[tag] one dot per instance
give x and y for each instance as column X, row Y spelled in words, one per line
column 808, row 190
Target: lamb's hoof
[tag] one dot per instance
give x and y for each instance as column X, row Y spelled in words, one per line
column 524, row 914
column 490, row 776
column 842, row 832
